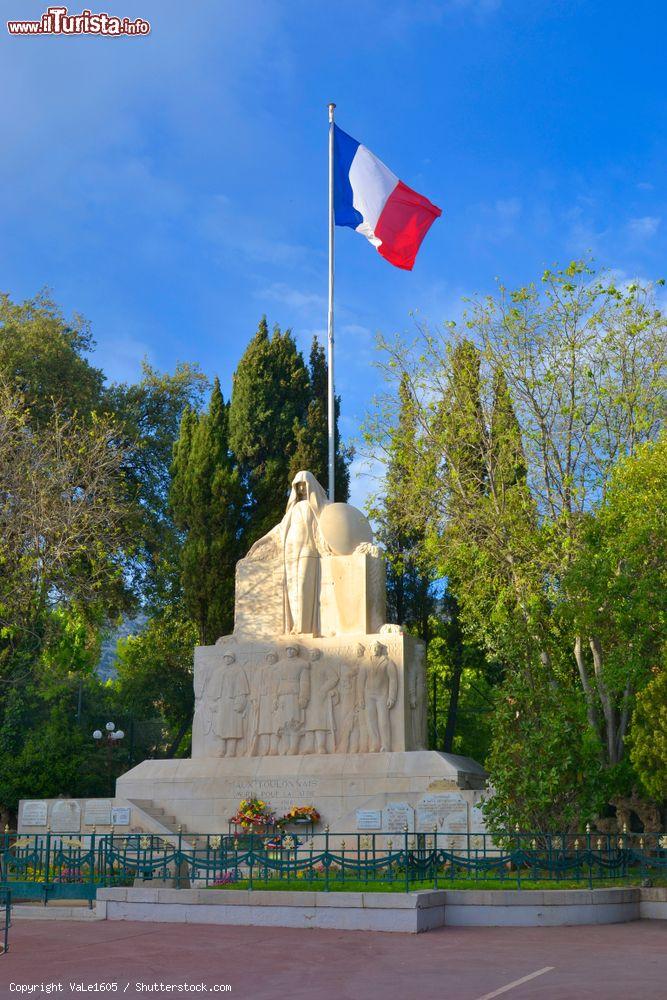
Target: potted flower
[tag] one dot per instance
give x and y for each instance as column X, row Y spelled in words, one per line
column 302, row 815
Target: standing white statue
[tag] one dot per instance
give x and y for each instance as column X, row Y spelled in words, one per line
column 300, row 541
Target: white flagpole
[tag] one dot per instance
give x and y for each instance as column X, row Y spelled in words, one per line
column 330, row 324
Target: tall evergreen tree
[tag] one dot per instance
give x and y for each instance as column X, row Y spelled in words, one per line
column 403, row 526
column 464, row 438
column 312, row 436
column 207, row 499
column 271, row 392
column 278, row 424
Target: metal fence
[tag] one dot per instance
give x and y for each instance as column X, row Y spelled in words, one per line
column 5, row 915
column 63, row 866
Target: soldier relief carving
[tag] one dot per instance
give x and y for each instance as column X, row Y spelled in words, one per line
column 297, row 700
column 311, row 668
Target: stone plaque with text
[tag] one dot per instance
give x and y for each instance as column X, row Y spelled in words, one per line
column 447, row 810
column 97, row 812
column 396, row 816
column 120, row 816
column 369, row 819
column 66, row 816
column 34, row 813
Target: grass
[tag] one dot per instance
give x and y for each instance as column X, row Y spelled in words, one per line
column 398, row 885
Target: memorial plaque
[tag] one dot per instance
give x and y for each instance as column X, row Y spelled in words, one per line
column 97, row 812
column 65, row 816
column 369, row 819
column 396, row 816
column 447, row 810
column 120, row 816
column 34, row 813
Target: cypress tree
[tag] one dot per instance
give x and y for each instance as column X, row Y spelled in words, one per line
column 270, row 395
column 508, row 462
column 207, row 499
column 312, row 436
column 465, row 442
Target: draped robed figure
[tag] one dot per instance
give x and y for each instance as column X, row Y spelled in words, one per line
column 299, row 541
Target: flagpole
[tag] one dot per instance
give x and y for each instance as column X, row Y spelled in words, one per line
column 330, row 323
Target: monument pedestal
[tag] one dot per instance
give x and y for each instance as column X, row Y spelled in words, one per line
column 362, row 792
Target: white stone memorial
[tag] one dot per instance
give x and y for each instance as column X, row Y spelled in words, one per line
column 313, row 699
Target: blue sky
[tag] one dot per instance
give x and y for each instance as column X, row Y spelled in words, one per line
column 172, row 188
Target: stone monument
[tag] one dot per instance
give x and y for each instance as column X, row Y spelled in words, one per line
column 314, row 699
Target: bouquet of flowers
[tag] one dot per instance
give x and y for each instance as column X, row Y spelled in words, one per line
column 301, row 814
column 253, row 814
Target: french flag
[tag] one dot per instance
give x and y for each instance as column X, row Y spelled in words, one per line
column 368, row 197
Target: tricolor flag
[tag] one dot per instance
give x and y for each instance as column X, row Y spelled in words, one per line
column 368, row 197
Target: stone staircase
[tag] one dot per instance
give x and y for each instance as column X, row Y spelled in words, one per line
column 162, row 823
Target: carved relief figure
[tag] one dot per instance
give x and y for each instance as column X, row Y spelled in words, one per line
column 347, row 740
column 379, row 690
column 231, row 699
column 202, row 722
column 264, row 738
column 319, row 721
column 292, row 696
column 298, row 539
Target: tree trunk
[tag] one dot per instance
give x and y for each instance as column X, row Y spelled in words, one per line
column 606, row 701
column 173, row 749
column 589, row 694
column 453, row 707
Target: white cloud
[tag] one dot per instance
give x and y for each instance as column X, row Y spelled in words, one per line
column 293, row 297
column 644, row 227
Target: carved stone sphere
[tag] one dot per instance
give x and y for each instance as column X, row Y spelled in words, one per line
column 344, row 527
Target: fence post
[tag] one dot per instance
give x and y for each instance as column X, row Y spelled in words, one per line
column 435, row 855
column 326, row 858
column 92, row 863
column 47, row 867
column 406, row 830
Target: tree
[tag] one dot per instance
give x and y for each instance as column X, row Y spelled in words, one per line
column 208, row 500
column 43, row 359
column 270, row 395
column 569, row 383
column 63, row 521
column 402, row 525
column 278, row 425
column 648, row 745
column 312, row 436
column 148, row 415
column 615, row 589
column 155, row 670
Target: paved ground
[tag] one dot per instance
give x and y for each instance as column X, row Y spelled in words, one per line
column 617, row 962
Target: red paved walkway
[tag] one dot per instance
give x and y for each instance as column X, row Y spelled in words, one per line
column 618, row 962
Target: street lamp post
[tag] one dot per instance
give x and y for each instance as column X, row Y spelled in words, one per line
column 111, row 736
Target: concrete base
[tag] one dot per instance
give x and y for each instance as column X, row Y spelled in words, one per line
column 535, row 908
column 412, row 912
column 203, row 793
column 409, row 913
